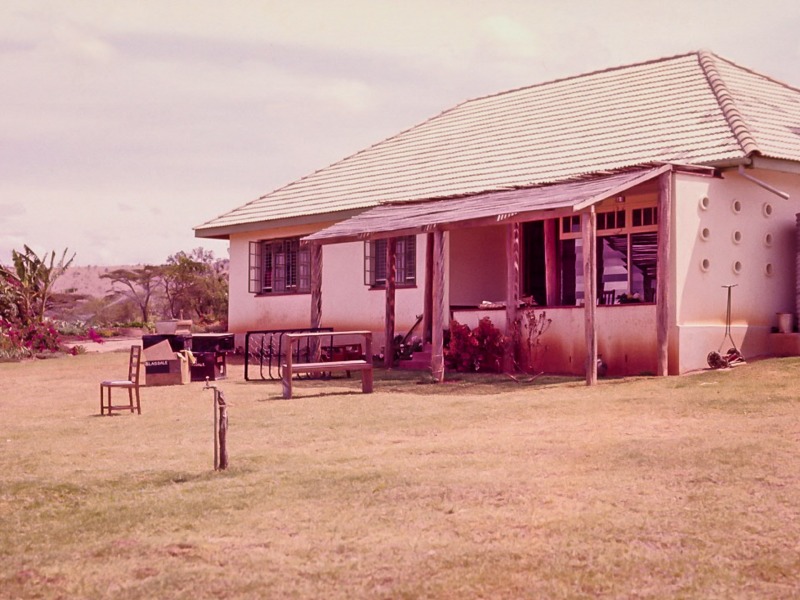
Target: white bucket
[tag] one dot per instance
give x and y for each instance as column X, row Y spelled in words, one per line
column 785, row 322
column 167, row 327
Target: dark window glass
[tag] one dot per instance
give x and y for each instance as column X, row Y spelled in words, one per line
column 405, row 261
column 280, row 266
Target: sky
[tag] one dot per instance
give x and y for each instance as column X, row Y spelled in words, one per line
column 124, row 124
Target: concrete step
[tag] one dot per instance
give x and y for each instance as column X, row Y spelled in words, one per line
column 420, row 361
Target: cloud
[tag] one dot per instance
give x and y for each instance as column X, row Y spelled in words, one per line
column 505, row 37
column 9, row 210
column 76, row 43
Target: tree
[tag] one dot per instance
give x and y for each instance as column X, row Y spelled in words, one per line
column 10, row 295
column 196, row 283
column 180, row 277
column 26, row 290
column 140, row 284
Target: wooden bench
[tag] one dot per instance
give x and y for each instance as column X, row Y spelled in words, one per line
column 364, row 365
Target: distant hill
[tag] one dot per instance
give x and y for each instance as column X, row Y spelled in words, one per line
column 86, row 280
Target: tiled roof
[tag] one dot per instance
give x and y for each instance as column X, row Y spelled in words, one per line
column 769, row 109
column 695, row 108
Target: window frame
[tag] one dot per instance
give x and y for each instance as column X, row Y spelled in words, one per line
column 280, row 266
column 629, row 220
column 375, row 262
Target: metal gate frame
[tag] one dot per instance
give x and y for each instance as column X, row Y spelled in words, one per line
column 269, row 354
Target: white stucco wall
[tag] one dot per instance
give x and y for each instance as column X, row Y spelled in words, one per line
column 714, row 245
column 479, row 273
column 346, row 302
column 626, row 339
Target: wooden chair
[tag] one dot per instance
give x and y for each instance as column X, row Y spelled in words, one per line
column 131, row 384
column 608, row 297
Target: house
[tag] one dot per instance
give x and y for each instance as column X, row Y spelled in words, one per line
column 646, row 188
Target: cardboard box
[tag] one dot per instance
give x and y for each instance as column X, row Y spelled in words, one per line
column 162, row 366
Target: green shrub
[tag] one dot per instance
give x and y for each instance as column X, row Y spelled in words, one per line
column 73, row 328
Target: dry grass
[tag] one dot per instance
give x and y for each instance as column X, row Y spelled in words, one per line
column 640, row 488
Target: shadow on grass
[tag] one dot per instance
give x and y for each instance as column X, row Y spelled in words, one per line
column 303, row 395
column 421, row 384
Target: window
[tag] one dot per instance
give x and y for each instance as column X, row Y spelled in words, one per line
column 279, row 267
column 375, row 262
column 626, row 257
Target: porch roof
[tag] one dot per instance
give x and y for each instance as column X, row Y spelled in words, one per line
column 390, row 220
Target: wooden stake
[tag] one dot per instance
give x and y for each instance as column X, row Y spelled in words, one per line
column 223, row 430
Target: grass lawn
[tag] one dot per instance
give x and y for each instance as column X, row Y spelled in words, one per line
column 683, row 487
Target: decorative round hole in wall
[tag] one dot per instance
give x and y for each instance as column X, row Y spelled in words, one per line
column 705, row 233
column 767, row 209
column 705, row 264
column 768, row 239
column 737, row 267
column 736, row 206
column 737, row 237
column 768, row 269
column 704, row 203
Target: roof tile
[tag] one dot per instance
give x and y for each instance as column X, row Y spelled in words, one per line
column 694, row 108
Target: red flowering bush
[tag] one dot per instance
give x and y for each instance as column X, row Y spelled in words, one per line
column 491, row 346
column 42, row 337
column 462, row 350
column 20, row 340
column 479, row 349
column 93, row 335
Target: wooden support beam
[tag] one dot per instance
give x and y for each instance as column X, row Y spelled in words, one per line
column 437, row 323
column 512, row 293
column 551, row 261
column 589, row 231
column 391, row 285
column 427, row 308
column 663, row 271
column 315, row 250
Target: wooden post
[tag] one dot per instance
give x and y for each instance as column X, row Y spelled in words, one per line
column 366, row 374
column 391, row 281
column 551, row 261
column 437, row 322
column 222, row 432
column 286, row 373
column 589, row 231
column 663, row 270
column 427, row 309
column 215, row 430
column 316, row 298
column 512, row 293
